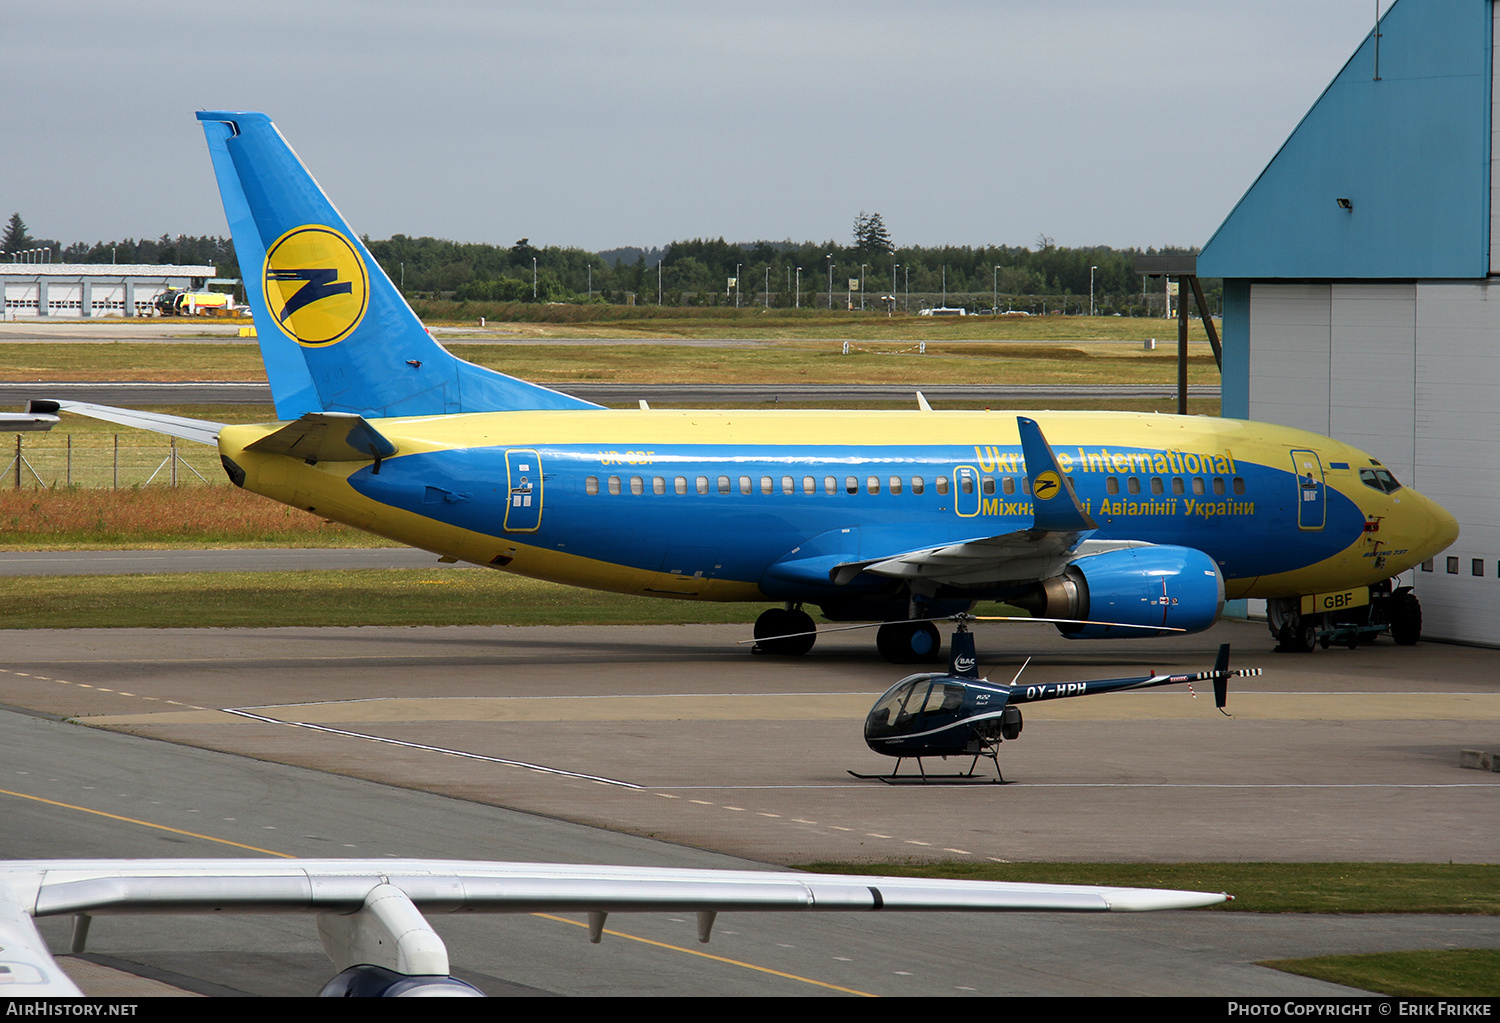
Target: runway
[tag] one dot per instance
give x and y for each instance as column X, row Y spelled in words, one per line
column 700, row 395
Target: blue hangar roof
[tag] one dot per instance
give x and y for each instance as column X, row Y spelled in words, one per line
column 1410, row 152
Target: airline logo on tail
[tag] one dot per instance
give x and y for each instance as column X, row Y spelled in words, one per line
column 316, row 285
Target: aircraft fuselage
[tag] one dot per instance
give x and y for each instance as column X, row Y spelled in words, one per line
column 715, row 505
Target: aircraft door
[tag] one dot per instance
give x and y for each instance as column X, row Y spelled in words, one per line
column 1312, row 489
column 523, row 477
column 966, row 490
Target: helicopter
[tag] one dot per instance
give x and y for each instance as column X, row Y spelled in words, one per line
column 952, row 714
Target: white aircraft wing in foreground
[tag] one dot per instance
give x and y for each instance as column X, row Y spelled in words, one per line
column 370, row 911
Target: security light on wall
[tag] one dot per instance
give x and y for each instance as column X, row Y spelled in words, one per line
column 1345, row 204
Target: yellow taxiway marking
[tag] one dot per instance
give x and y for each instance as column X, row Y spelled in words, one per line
column 544, row 916
column 145, row 824
column 717, row 959
column 847, row 707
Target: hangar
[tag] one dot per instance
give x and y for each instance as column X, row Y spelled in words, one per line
column 1360, row 271
column 91, row 289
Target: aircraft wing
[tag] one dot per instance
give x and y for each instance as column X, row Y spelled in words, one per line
column 370, row 910
column 203, row 431
column 1022, row 556
column 1059, row 534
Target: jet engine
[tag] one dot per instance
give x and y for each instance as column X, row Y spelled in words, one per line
column 1167, row 586
column 367, row 981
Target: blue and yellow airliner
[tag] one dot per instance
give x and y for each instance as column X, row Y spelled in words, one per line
column 1103, row 519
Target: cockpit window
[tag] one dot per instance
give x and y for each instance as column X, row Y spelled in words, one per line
column 1379, row 479
column 903, row 702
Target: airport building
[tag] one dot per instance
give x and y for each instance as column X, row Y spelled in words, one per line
column 1360, row 271
column 30, row 290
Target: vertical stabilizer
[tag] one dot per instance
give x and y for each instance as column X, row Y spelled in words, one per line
column 335, row 333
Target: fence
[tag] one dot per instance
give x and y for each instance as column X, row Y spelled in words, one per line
column 106, row 461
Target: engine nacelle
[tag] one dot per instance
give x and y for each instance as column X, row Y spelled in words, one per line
column 1165, row 586
column 378, row 982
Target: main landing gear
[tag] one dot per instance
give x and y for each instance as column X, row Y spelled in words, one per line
column 909, row 642
column 1396, row 611
column 789, row 632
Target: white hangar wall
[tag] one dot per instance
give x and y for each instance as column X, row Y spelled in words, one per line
column 1409, row 372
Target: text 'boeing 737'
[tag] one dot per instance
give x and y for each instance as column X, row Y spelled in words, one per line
column 1096, row 518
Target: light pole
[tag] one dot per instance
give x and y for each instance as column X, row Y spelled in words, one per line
column 862, row 267
column 1091, row 289
column 893, row 286
column 906, row 302
column 533, row 278
column 995, row 292
column 768, row 286
column 830, row 282
column 737, row 284
column 799, row 287
column 658, row 282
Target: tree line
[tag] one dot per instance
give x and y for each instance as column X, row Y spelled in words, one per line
column 710, row 272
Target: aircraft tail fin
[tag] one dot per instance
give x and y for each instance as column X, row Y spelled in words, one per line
column 335, row 333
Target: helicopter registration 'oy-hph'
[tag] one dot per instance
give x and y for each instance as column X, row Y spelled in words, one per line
column 950, row 715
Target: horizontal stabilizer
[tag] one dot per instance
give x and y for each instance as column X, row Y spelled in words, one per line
column 327, row 437
column 203, row 431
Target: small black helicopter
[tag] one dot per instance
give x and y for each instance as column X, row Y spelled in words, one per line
column 957, row 714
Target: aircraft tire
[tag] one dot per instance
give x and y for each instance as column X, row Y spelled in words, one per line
column 779, row 622
column 1406, row 619
column 909, row 642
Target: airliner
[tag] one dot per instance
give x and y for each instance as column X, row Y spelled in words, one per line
column 1115, row 524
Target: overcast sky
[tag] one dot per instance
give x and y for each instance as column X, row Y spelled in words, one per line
column 602, row 123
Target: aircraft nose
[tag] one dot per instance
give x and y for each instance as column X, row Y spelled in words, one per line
column 1442, row 529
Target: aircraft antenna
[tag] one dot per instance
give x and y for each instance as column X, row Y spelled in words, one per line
column 1018, row 673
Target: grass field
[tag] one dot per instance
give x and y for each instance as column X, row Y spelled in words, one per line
column 948, row 362
column 452, row 596
column 1452, row 973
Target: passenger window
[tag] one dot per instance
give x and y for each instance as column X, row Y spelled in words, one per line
column 723, row 484
column 851, row 484
column 788, row 485
column 895, row 482
column 989, row 485
column 1008, row 486
column 966, row 484
column 591, row 485
column 1111, row 485
column 1239, row 485
column 809, row 485
column 702, row 484
column 1132, row 485
column 767, row 485
column 830, row 485
column 918, row 485
column 1156, row 486
column 1026, row 485
column 658, row 485
column 1219, row 486
column 680, row 484
column 942, row 485
column 637, row 486
column 873, row 484
column 1198, row 487
column 1177, row 488
column 746, row 486
column 614, row 484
